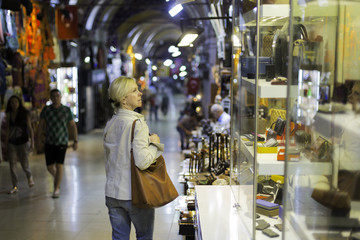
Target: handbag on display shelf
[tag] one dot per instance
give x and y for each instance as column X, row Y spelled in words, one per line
column 151, row 187
column 280, row 126
column 321, row 150
column 278, row 130
column 336, row 200
column 271, row 134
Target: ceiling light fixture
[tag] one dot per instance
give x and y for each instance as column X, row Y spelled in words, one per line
column 173, row 49
column 183, row 1
column 176, row 54
column 183, row 74
column 175, row 10
column 138, row 56
column 187, row 39
column 168, row 62
column 74, row 44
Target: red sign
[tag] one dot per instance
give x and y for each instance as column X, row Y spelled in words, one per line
column 193, row 85
column 66, row 20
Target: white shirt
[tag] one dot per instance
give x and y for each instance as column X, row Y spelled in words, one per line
column 349, row 155
column 224, row 118
column 117, row 146
column 222, row 125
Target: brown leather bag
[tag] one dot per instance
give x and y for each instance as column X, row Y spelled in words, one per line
column 333, row 199
column 151, row 187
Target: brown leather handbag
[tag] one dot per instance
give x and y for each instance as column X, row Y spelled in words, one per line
column 151, row 187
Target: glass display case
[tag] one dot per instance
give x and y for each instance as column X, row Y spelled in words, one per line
column 66, row 80
column 295, row 121
column 257, row 103
column 321, row 200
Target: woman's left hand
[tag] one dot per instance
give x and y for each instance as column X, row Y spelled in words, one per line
column 154, row 138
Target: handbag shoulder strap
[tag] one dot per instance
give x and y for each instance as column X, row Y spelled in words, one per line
column 132, row 132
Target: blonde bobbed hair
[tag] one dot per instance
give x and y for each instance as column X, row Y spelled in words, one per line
column 119, row 89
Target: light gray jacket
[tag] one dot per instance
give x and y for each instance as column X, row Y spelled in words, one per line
column 117, row 138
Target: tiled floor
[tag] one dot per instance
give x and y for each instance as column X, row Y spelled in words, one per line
column 80, row 213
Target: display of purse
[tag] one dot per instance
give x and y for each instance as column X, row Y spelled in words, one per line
column 281, row 51
column 151, row 187
column 248, row 66
column 267, row 49
column 279, row 126
column 302, row 138
column 278, row 129
column 321, row 150
column 338, row 201
column 270, row 134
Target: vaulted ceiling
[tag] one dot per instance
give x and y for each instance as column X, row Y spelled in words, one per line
column 144, row 24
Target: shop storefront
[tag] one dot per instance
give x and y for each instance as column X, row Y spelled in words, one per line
column 287, row 165
column 292, row 171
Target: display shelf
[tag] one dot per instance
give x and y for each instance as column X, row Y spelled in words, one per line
column 269, row 165
column 270, row 15
column 266, row 90
column 267, row 162
column 297, row 224
column 313, row 9
column 218, row 218
column 278, row 14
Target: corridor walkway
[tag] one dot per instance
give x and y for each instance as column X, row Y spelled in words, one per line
column 80, row 212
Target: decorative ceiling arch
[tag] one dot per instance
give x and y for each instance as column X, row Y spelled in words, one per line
column 147, row 19
column 142, row 23
column 141, row 40
column 169, row 34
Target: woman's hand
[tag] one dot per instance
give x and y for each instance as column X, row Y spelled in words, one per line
column 154, row 138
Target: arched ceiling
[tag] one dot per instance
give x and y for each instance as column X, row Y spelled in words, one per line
column 145, row 24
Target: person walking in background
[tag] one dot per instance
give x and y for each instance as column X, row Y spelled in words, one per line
column 18, row 131
column 153, row 100
column 125, row 97
column 165, row 104
column 56, row 121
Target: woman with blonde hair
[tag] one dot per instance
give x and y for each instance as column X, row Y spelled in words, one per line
column 125, row 97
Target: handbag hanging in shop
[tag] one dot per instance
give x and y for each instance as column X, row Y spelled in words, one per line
column 151, row 187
